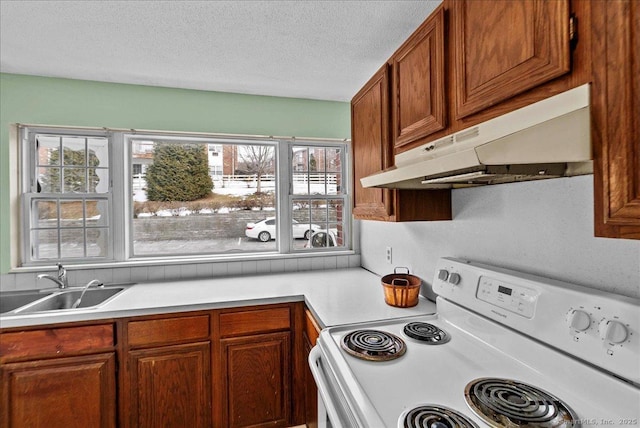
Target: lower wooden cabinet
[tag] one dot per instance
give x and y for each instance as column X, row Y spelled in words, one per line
column 60, row 392
column 311, row 332
column 239, row 367
column 257, row 380
column 170, row 386
column 63, row 376
column 167, row 376
column 257, row 353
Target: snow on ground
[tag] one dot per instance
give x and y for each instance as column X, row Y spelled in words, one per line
column 240, row 188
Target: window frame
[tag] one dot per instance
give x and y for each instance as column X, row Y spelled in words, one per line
column 28, row 177
column 344, row 195
column 120, row 243
column 184, row 139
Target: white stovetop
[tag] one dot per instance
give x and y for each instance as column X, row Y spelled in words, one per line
column 336, row 297
column 380, row 392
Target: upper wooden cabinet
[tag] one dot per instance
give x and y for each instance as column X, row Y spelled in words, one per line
column 373, row 152
column 418, row 87
column 504, row 48
column 372, row 149
column 615, row 126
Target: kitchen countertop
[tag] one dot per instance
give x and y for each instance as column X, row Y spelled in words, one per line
column 335, row 297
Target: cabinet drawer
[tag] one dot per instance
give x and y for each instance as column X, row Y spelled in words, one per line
column 168, row 330
column 254, row 321
column 56, row 341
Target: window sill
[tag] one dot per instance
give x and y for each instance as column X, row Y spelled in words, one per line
column 166, row 261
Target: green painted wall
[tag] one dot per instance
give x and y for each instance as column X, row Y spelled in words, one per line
column 52, row 101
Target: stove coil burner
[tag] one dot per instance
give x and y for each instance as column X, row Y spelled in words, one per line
column 433, row 416
column 373, row 345
column 426, row 332
column 509, row 403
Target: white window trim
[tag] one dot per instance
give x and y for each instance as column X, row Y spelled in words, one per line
column 121, row 206
column 345, row 196
column 26, row 179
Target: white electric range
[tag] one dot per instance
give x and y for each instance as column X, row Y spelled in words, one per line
column 504, row 349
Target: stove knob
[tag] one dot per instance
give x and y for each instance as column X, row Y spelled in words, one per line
column 443, row 274
column 454, row 279
column 612, row 331
column 578, row 320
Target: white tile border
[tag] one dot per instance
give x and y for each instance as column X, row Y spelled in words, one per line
column 174, row 272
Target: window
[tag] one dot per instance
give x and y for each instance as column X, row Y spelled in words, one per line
column 318, row 196
column 67, row 197
column 114, row 196
column 192, row 203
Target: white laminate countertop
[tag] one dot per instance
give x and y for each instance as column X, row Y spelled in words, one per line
column 336, row 297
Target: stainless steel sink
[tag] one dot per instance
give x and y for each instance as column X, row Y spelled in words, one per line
column 14, row 299
column 66, row 299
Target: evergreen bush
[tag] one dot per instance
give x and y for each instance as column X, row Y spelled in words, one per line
column 179, row 172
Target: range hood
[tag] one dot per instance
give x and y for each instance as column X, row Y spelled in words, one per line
column 548, row 139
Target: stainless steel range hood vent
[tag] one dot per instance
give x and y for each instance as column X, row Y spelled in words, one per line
column 548, row 139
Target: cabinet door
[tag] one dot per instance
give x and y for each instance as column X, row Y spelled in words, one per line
column 418, row 101
column 257, row 376
column 503, row 48
column 61, row 392
column 372, row 150
column 616, row 118
column 170, row 386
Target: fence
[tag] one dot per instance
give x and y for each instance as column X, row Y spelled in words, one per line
column 138, row 181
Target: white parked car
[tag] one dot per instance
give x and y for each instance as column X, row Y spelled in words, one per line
column 265, row 230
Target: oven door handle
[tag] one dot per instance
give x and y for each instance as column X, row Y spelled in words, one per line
column 315, row 362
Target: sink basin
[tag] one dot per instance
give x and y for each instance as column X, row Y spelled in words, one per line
column 15, row 299
column 66, row 299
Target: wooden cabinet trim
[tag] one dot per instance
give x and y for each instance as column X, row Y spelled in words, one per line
column 168, row 330
column 56, row 342
column 254, row 321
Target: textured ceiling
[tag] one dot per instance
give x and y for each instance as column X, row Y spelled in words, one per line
column 306, row 49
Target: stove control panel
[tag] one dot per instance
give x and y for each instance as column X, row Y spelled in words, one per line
column 593, row 325
column 514, row 298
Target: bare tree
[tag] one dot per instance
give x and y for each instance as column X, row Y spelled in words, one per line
column 257, row 160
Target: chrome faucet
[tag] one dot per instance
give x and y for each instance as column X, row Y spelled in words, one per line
column 61, row 280
column 92, row 283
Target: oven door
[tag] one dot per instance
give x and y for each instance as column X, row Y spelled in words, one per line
column 333, row 409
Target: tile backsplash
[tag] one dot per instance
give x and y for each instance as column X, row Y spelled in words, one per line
column 173, row 272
